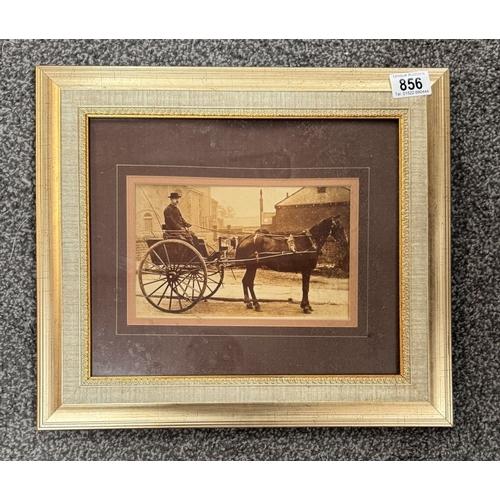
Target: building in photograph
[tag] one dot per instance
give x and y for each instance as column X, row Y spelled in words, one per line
column 267, row 221
column 240, row 226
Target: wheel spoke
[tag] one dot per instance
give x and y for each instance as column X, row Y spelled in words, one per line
column 184, row 267
column 162, row 295
column 188, row 284
column 198, row 282
column 156, row 289
column 155, row 281
column 215, row 276
column 166, row 254
column 158, row 255
column 179, row 261
column 184, row 296
column 179, row 299
column 170, row 302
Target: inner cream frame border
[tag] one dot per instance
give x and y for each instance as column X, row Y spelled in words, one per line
column 406, row 376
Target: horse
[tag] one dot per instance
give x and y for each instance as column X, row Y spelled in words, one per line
column 296, row 253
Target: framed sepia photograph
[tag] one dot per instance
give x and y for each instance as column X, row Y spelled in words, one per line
column 242, row 247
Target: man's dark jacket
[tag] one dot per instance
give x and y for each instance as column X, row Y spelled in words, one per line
column 174, row 219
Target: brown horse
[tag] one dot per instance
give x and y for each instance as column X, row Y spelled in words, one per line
column 294, row 253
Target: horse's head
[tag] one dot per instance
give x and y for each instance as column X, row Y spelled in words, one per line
column 337, row 231
column 330, row 226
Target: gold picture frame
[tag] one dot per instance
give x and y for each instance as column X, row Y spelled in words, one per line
column 71, row 100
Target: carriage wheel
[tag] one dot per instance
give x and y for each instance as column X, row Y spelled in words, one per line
column 172, row 276
column 215, row 276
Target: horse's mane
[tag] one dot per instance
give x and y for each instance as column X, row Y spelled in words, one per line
column 322, row 226
column 321, row 231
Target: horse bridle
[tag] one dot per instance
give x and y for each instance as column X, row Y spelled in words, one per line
column 336, row 224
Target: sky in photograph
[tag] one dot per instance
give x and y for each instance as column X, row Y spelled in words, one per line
column 245, row 199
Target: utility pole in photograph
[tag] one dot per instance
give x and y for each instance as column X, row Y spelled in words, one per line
column 261, row 214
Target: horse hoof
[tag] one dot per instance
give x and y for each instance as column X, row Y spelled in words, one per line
column 258, row 309
column 307, row 310
column 249, row 306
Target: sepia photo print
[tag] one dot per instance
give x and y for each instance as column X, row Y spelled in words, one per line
column 242, row 251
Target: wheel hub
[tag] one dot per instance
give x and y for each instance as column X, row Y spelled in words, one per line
column 171, row 276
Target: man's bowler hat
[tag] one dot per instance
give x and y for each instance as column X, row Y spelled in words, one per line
column 174, row 195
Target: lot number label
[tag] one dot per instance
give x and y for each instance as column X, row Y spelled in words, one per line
column 410, row 84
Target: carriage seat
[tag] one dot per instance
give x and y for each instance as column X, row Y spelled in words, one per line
column 188, row 237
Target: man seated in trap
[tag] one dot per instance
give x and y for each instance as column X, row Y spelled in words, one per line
column 176, row 227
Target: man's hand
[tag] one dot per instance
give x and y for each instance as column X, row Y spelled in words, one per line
column 187, row 225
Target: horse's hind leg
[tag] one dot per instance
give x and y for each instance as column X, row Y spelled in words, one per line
column 248, row 281
column 306, row 307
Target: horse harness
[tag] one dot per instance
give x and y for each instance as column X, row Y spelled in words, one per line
column 290, row 241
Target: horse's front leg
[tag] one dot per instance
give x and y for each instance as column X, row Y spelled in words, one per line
column 246, row 296
column 248, row 282
column 306, row 278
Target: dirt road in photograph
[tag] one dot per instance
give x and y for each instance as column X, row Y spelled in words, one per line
column 279, row 295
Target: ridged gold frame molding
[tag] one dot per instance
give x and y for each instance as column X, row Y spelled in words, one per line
column 69, row 398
